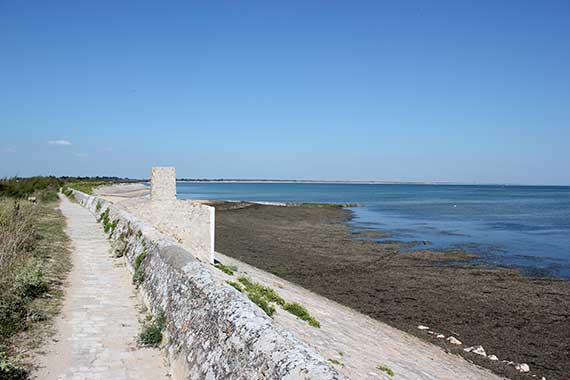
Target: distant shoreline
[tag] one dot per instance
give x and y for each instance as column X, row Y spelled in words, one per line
column 302, row 181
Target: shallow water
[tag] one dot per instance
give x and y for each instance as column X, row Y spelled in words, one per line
column 522, row 226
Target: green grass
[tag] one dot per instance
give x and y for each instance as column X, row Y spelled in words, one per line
column 86, row 187
column 151, row 334
column 264, row 297
column 224, row 268
column 336, row 362
column 236, row 285
column 258, row 299
column 385, row 369
column 302, row 313
column 264, row 291
column 261, row 295
column 104, row 217
column 112, row 227
column 138, row 275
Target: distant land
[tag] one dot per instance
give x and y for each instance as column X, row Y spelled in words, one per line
column 244, row 180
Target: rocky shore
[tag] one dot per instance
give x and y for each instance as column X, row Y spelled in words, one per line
column 496, row 318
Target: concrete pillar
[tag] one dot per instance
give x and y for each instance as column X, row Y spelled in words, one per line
column 163, row 184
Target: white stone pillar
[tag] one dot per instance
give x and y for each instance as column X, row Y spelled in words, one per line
column 163, row 184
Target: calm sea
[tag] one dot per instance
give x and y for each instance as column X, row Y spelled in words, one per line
column 521, row 226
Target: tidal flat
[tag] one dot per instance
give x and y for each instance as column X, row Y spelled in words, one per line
column 518, row 318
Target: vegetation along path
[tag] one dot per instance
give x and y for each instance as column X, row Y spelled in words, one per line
column 98, row 327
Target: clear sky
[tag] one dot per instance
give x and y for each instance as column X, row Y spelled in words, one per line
column 467, row 91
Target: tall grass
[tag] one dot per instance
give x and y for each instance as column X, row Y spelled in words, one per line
column 33, row 262
column 17, row 236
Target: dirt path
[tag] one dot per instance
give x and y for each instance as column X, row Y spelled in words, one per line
column 99, row 323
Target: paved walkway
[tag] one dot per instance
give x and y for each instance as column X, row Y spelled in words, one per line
column 99, row 323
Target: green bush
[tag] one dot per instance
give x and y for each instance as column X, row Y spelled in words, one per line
column 25, row 187
column 49, row 196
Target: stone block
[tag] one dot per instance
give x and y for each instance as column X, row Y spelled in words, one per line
column 163, row 184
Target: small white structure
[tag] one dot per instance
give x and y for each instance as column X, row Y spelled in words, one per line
column 191, row 223
column 163, row 184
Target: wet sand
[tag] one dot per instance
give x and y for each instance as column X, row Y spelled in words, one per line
column 517, row 318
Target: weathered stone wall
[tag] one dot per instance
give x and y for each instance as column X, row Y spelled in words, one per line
column 163, row 184
column 213, row 331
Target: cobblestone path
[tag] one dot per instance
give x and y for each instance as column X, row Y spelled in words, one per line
column 99, row 323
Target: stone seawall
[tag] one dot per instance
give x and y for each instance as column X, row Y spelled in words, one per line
column 213, row 331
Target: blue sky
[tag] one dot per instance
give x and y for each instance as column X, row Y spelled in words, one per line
column 466, row 91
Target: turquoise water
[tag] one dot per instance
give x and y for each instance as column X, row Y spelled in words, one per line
column 526, row 227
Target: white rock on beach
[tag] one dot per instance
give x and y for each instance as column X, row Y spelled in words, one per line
column 422, row 327
column 479, row 350
column 522, row 367
column 492, row 357
column 454, row 340
column 440, row 336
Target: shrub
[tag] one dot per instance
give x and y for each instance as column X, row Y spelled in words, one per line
column 30, row 282
column 12, row 315
column 10, row 368
column 49, row 195
column 17, row 187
